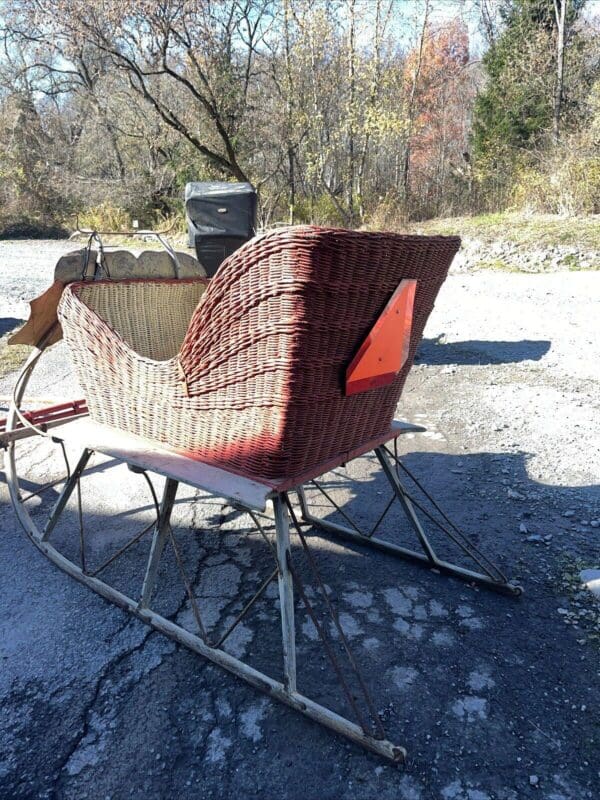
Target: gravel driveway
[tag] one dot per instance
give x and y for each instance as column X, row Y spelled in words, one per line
column 494, row 698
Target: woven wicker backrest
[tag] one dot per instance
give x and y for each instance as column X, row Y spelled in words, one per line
column 283, row 318
column 151, row 316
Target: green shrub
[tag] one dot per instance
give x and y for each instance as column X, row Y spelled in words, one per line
column 388, row 215
column 105, row 217
column 318, row 211
column 569, row 184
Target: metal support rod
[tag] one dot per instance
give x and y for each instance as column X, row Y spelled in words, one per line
column 286, row 593
column 246, row 608
column 254, row 517
column 188, row 586
column 122, row 550
column 406, row 505
column 348, row 519
column 445, row 567
column 382, row 516
column 139, row 535
column 304, row 509
column 322, row 633
column 67, row 491
column 54, row 483
column 275, row 689
column 449, row 529
column 44, row 488
column 159, row 538
column 309, row 708
column 81, row 527
column 336, row 622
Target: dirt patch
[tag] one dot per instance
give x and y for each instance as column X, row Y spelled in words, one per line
column 11, row 356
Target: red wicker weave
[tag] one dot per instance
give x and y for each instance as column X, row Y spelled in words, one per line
column 257, row 386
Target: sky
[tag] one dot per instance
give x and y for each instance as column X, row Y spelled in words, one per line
column 409, row 20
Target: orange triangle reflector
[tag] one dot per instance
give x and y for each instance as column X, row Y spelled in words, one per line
column 384, row 352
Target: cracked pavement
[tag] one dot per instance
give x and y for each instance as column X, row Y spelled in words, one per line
column 494, row 698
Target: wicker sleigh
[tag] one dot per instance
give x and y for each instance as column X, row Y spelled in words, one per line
column 246, row 371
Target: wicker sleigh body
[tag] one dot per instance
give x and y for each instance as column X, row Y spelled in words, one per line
column 247, row 372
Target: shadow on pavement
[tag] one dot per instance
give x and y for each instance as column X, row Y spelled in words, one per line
column 476, row 351
column 433, row 650
column 8, row 324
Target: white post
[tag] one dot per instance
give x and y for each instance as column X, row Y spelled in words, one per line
column 286, row 593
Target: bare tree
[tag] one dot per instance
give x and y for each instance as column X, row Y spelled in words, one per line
column 202, row 53
column 322, row 104
column 412, row 98
column 560, row 13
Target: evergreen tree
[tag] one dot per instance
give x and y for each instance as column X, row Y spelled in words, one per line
column 515, row 109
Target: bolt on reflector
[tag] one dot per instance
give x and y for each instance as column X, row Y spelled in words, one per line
column 384, row 352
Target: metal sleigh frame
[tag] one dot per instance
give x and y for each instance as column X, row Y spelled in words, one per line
column 251, row 497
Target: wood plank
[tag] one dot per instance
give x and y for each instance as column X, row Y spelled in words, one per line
column 151, row 456
column 397, row 428
column 249, row 492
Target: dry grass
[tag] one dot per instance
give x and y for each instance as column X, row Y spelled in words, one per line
column 536, row 231
column 11, row 356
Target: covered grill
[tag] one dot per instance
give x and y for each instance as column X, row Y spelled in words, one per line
column 221, row 217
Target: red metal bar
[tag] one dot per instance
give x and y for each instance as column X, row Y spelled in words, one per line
column 49, row 414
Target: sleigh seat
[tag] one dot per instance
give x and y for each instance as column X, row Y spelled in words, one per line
column 248, row 371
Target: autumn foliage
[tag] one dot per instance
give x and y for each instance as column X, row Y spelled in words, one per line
column 339, row 111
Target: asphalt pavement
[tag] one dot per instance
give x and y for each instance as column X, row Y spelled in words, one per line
column 494, row 698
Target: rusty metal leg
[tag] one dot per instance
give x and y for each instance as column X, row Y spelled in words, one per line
column 161, row 533
column 490, row 577
column 66, row 493
column 406, row 505
column 286, row 593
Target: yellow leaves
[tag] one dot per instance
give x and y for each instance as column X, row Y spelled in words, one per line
column 105, row 216
column 569, row 184
column 594, row 105
column 380, row 121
